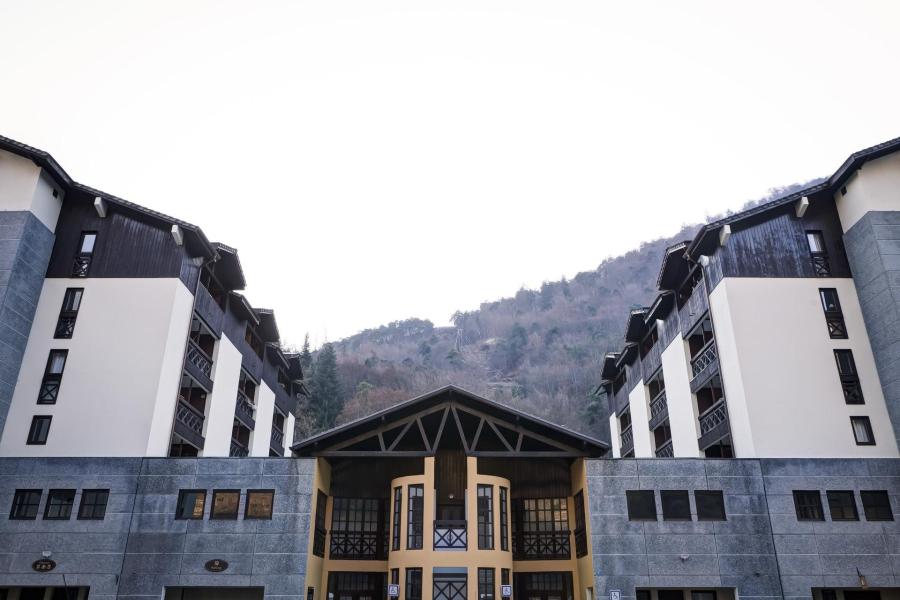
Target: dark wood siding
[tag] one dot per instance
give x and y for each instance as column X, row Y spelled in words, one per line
column 531, row 478
column 361, row 478
column 127, row 245
column 450, row 473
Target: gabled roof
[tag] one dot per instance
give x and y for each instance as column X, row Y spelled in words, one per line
column 385, row 431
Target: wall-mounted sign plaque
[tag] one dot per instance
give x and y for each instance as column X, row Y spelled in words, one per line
column 216, row 565
column 43, row 565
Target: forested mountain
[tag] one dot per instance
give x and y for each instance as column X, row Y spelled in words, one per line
column 538, row 351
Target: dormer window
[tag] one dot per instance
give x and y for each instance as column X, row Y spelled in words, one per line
column 84, row 254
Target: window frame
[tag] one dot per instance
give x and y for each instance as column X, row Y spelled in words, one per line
column 81, row 263
column 93, row 505
column 34, row 438
column 504, row 519
column 834, row 497
column 228, row 516
column 415, row 516
column 677, row 496
column 834, row 317
column 799, row 505
column 486, row 580
column 413, row 578
column 16, row 503
column 637, row 495
column 703, row 508
column 396, row 515
column 867, row 425
column 868, row 508
column 50, row 395
column 255, row 492
column 850, row 383
column 190, row 516
column 67, row 493
column 484, row 495
column 65, row 323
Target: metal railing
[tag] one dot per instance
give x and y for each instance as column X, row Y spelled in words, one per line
column 820, row 263
column 238, row 449
column 665, row 451
column 837, row 328
column 81, row 265
column 277, row 438
column 189, row 416
column 627, row 438
column 541, row 545
column 243, row 406
column 200, row 359
column 356, row 545
column 450, row 534
column 658, row 405
column 704, row 358
column 714, row 416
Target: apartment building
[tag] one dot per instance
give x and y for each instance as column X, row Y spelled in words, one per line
column 124, row 330
column 775, row 333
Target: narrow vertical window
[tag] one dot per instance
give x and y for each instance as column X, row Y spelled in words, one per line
column 414, row 584
column 319, row 534
column 65, row 325
column 862, row 431
column 40, row 429
column 834, row 316
column 59, row 505
column 850, row 386
column 876, row 505
column 485, row 584
column 485, row 517
column 808, row 505
column 93, row 504
column 53, row 373
column 415, row 517
column 580, row 526
column 25, row 504
column 504, row 519
column 191, row 504
column 818, row 254
column 842, row 505
column 395, row 524
column 85, row 253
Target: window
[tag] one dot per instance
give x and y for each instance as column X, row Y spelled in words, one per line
column 834, row 316
column 846, row 367
column 65, row 325
column 504, row 520
column 703, row 594
column 642, row 594
column 93, row 504
column 876, row 505
column 862, row 431
column 415, row 516
column 670, row 595
column 191, row 504
column 808, row 504
column 818, row 254
column 25, row 504
column 641, row 505
column 225, row 504
column 395, row 525
column 504, row 576
column 259, row 504
column 82, row 263
column 485, row 517
column 395, row 575
column 580, row 527
column 414, row 584
column 676, row 505
column 53, row 372
column 485, row 584
column 319, row 539
column 842, row 505
column 59, row 505
column 710, row 505
column 40, row 428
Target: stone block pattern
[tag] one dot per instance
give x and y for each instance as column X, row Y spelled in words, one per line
column 25, row 247
column 873, row 249
column 761, row 550
column 139, row 548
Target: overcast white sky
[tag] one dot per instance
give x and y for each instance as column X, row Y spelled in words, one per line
column 377, row 160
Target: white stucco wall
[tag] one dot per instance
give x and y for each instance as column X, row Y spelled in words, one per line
column 23, row 186
column 288, row 434
column 265, row 407
column 875, row 187
column 638, row 402
column 123, row 364
column 221, row 403
column 779, row 375
column 615, row 440
column 682, row 413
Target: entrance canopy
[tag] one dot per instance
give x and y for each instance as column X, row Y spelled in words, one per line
column 450, row 418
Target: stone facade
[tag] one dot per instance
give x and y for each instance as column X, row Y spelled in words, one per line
column 761, row 550
column 873, row 249
column 25, row 247
column 139, row 548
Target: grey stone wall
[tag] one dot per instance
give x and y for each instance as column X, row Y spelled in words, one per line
column 761, row 550
column 25, row 247
column 873, row 249
column 139, row 548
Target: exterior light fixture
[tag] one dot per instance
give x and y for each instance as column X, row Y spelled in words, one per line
column 862, row 580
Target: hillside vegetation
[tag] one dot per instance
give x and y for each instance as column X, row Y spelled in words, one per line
column 538, row 351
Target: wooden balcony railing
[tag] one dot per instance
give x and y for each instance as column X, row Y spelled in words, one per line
column 541, row 545
column 659, row 410
column 665, row 451
column 277, row 438
column 627, row 441
column 357, row 545
column 244, row 408
column 704, row 358
column 189, row 416
column 199, row 358
column 238, row 449
column 714, row 416
column 450, row 534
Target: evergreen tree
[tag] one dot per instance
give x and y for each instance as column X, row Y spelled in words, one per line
column 327, row 402
column 306, row 358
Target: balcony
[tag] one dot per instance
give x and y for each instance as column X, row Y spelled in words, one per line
column 189, row 423
column 713, row 424
column 81, row 265
column 665, row 451
column 357, row 545
column 449, row 534
column 821, row 264
column 627, row 438
column 541, row 545
column 243, row 410
column 238, row 449
column 704, row 365
column 199, row 359
column 276, row 440
column 209, row 308
column 837, row 328
column 659, row 410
